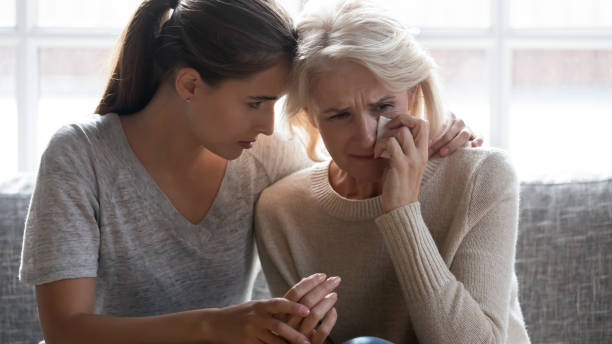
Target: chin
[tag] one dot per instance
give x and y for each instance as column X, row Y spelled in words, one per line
column 369, row 174
column 232, row 155
column 228, row 153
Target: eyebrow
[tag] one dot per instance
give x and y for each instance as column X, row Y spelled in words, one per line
column 262, row 98
column 383, row 99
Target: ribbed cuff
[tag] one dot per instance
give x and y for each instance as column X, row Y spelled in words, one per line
column 420, row 268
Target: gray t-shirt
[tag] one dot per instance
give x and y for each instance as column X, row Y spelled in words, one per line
column 96, row 212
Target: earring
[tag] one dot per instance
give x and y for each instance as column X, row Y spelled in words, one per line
column 188, row 100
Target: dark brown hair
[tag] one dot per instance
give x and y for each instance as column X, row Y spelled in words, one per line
column 221, row 39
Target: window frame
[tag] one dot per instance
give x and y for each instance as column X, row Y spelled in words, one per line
column 499, row 41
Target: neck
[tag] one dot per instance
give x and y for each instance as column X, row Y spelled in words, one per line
column 350, row 187
column 160, row 136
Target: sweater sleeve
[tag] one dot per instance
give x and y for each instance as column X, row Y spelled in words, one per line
column 272, row 246
column 61, row 238
column 467, row 302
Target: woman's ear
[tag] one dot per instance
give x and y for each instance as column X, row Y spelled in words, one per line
column 186, row 82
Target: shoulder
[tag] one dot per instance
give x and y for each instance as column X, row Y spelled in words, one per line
column 74, row 147
column 74, row 137
column 488, row 174
column 279, row 155
column 293, row 188
column 487, row 163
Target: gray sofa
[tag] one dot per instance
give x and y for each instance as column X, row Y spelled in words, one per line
column 564, row 263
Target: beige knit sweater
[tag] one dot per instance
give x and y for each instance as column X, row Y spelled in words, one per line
column 440, row 270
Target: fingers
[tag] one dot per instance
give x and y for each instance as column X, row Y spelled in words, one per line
column 304, row 286
column 284, row 306
column 404, row 120
column 275, row 326
column 390, row 145
column 459, row 140
column 410, row 140
column 406, row 141
column 325, row 328
column 317, row 313
column 270, row 338
column 449, row 131
column 477, row 141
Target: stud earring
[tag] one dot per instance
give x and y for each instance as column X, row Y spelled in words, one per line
column 188, row 100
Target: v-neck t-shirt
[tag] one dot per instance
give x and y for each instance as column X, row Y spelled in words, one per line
column 97, row 212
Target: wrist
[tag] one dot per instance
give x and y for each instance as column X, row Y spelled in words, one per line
column 388, row 207
column 208, row 329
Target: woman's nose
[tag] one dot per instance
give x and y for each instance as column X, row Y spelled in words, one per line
column 366, row 130
column 265, row 124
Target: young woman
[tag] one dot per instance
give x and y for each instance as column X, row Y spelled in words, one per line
column 140, row 225
column 425, row 247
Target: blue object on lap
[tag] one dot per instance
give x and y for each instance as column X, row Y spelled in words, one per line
column 367, row 340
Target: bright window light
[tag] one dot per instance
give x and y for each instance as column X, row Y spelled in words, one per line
column 561, row 13
column 8, row 115
column 8, row 13
column 444, row 13
column 561, row 113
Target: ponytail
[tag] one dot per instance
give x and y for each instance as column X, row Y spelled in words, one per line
column 221, row 39
column 135, row 77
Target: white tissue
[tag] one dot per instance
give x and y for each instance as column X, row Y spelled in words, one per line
column 380, row 131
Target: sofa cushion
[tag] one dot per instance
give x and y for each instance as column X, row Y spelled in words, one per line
column 19, row 323
column 564, row 261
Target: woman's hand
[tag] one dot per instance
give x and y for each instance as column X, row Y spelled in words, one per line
column 316, row 293
column 453, row 135
column 256, row 322
column 406, row 142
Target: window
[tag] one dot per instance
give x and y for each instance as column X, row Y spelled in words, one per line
column 55, row 57
column 8, row 115
column 85, row 14
column 561, row 102
column 532, row 77
column 561, row 13
column 8, row 13
column 71, row 80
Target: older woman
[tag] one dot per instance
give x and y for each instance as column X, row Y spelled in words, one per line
column 425, row 247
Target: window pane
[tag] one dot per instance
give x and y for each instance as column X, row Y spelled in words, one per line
column 292, row 6
column 444, row 13
column 465, row 78
column 71, row 83
column 99, row 13
column 8, row 115
column 89, row 13
column 561, row 113
column 561, row 13
column 8, row 13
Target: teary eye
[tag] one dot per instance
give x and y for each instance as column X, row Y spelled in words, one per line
column 339, row 115
column 384, row 107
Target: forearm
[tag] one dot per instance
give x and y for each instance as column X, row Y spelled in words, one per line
column 442, row 309
column 184, row 327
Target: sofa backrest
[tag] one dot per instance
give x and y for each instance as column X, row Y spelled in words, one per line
column 564, row 261
column 19, row 322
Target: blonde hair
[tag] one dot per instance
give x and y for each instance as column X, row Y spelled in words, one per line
column 363, row 32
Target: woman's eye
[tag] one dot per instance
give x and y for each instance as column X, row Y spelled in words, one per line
column 384, row 107
column 339, row 115
column 255, row 105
